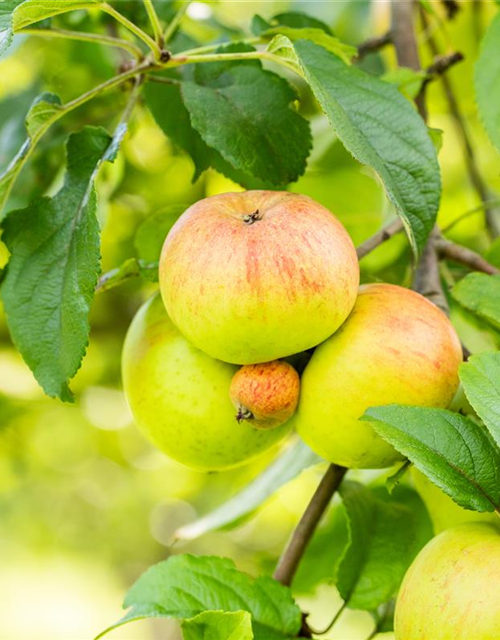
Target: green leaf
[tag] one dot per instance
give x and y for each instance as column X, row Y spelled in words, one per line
column 344, row 51
column 217, row 625
column 7, row 8
column 287, row 466
column 43, row 111
column 395, row 478
column 17, row 14
column 184, row 586
column 382, row 130
column 487, row 81
column 151, row 234
column 480, row 377
column 32, row 11
column 166, row 104
column 245, row 113
column 458, row 455
column 299, row 20
column 386, row 533
column 480, row 293
column 53, row 268
column 282, row 47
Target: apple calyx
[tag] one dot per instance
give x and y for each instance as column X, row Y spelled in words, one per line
column 243, row 414
column 250, row 218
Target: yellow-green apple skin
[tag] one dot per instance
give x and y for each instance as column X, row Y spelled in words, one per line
column 265, row 395
column 256, row 276
column 452, row 589
column 395, row 347
column 179, row 397
column 443, row 512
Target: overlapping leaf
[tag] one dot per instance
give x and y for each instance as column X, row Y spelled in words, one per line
column 382, row 130
column 457, row 454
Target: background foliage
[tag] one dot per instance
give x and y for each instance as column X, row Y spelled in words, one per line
column 86, row 504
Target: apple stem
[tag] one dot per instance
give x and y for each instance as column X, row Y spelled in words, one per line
column 250, row 218
column 244, row 414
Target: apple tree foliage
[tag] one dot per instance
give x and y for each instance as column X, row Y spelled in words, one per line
column 241, row 104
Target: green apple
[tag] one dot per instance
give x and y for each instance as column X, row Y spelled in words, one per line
column 256, row 276
column 265, row 395
column 443, row 512
column 395, row 347
column 452, row 589
column 179, row 396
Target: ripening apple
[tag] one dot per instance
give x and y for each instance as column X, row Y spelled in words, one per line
column 443, row 512
column 395, row 347
column 256, row 276
column 179, row 396
column 452, row 589
column 265, row 395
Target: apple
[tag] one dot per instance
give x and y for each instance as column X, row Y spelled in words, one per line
column 179, row 396
column 443, row 512
column 395, row 347
column 265, row 395
column 255, row 276
column 452, row 589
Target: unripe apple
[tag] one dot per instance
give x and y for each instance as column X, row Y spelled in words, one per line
column 452, row 589
column 179, row 396
column 443, row 512
column 395, row 347
column 255, row 276
column 265, row 395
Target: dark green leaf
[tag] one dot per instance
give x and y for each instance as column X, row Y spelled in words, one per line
column 245, row 113
column 381, row 129
column 480, row 293
column 386, row 533
column 298, row 20
column 458, row 455
column 184, row 586
column 166, row 105
column 480, row 376
column 217, row 625
column 487, row 81
column 53, row 269
column 292, row 461
column 42, row 111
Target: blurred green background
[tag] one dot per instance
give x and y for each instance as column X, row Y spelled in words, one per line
column 86, row 504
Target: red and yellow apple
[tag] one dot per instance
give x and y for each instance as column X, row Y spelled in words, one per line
column 395, row 347
column 179, row 396
column 255, row 276
column 452, row 589
column 265, row 395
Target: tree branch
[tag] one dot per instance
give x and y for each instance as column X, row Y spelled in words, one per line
column 465, row 256
column 289, row 561
column 378, row 238
column 491, row 214
column 427, row 279
column 373, row 44
column 405, row 43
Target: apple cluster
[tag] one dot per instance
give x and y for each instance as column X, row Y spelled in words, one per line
column 251, row 284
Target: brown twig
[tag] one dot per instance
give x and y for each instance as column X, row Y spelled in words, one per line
column 378, row 238
column 427, row 279
column 465, row 256
column 373, row 44
column 452, row 8
column 405, row 43
column 491, row 214
column 290, row 559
